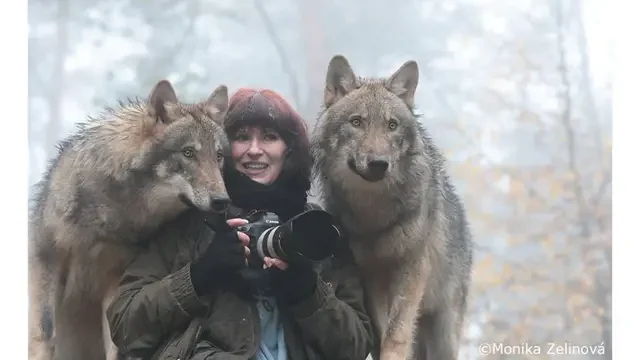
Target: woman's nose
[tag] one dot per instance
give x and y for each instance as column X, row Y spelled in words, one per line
column 255, row 148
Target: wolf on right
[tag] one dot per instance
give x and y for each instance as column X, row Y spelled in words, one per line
column 381, row 175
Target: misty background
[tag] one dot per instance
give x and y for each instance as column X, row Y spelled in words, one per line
column 516, row 93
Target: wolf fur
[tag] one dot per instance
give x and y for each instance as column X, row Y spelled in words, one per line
column 383, row 178
column 113, row 182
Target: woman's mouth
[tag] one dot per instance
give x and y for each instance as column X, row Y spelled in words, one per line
column 255, row 166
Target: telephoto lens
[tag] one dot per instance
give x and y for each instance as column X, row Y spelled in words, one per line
column 309, row 236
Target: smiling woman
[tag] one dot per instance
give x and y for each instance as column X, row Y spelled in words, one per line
column 267, row 135
column 258, row 153
column 269, row 147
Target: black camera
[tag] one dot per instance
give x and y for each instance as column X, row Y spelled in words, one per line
column 309, row 236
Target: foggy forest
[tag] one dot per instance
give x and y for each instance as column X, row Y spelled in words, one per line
column 517, row 94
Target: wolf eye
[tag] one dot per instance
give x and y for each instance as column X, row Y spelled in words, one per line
column 393, row 124
column 188, row 152
column 219, row 156
column 356, row 121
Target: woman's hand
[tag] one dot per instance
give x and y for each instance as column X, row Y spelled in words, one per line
column 269, row 262
column 244, row 238
column 226, row 254
column 291, row 282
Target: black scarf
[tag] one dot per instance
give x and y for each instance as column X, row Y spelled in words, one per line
column 286, row 196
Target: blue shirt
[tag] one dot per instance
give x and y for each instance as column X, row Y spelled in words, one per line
column 272, row 345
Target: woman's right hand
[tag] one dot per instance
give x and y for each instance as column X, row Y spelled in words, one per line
column 227, row 253
column 244, row 238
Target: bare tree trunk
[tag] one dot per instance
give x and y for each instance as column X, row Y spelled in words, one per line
column 316, row 66
column 317, row 60
column 586, row 86
column 602, row 296
column 57, row 85
column 602, row 291
column 566, row 99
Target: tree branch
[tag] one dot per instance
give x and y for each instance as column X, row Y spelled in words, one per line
column 277, row 43
column 56, row 87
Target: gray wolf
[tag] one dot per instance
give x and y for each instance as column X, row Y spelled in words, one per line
column 381, row 175
column 114, row 181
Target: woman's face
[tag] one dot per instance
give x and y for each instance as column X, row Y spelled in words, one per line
column 259, row 153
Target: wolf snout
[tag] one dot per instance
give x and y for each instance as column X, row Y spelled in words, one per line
column 372, row 169
column 377, row 168
column 220, row 203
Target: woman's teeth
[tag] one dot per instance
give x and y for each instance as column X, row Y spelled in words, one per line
column 255, row 166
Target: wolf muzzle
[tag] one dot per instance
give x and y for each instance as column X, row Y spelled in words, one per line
column 217, row 204
column 375, row 170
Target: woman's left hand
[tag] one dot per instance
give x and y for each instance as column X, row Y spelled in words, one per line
column 294, row 285
column 269, row 262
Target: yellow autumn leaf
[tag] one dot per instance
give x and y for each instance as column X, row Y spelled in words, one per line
column 586, row 280
column 485, row 272
column 547, row 244
column 586, row 313
column 556, row 190
column 517, row 188
column 506, row 270
column 575, row 303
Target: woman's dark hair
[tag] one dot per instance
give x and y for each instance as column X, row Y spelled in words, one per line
column 266, row 108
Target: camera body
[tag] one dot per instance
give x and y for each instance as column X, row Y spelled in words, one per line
column 309, row 236
column 260, row 225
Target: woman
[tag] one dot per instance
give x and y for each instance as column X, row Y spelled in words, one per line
column 191, row 294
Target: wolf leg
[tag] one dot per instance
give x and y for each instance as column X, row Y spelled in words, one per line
column 437, row 337
column 423, row 326
column 77, row 320
column 439, row 332
column 39, row 342
column 397, row 340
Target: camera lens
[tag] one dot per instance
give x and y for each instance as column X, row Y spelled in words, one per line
column 269, row 244
column 310, row 236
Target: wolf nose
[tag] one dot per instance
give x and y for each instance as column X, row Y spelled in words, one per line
column 378, row 166
column 220, row 203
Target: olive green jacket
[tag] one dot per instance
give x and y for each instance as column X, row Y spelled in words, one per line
column 156, row 313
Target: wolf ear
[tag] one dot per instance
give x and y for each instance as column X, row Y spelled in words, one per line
column 404, row 82
column 218, row 101
column 340, row 80
column 161, row 95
